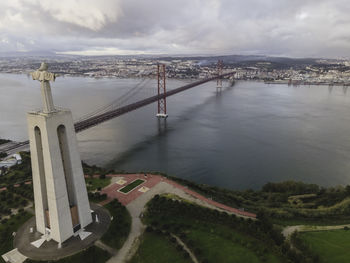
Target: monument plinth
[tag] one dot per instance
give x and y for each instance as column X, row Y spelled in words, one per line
column 61, row 201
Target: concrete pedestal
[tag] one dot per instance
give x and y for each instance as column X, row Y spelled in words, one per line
column 49, row 250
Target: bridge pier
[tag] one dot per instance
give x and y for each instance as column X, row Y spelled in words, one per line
column 162, row 126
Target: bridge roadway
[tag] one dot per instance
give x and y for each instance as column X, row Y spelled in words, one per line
column 95, row 120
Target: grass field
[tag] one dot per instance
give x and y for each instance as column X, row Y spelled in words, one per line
column 331, row 246
column 131, row 186
column 217, row 245
column 211, row 236
column 156, row 248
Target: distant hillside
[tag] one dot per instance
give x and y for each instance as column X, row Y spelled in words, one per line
column 246, row 61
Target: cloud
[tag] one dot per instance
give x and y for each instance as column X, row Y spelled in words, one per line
column 318, row 28
column 83, row 13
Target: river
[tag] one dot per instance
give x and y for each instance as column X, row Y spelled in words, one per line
column 241, row 138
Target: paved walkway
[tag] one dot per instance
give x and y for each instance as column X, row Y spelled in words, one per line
column 105, row 247
column 287, row 231
column 211, row 202
column 14, row 256
column 150, row 182
column 135, row 202
column 125, row 199
column 192, row 256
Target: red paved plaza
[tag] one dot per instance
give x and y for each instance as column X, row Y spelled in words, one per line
column 151, row 181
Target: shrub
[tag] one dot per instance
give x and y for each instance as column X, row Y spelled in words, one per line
column 149, row 229
column 197, row 251
column 186, row 254
column 165, row 227
column 190, row 243
column 154, row 223
column 183, row 236
column 179, row 247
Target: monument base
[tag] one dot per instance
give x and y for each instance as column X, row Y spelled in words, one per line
column 51, row 250
column 162, row 115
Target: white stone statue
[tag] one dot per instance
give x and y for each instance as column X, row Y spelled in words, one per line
column 61, row 200
column 45, row 77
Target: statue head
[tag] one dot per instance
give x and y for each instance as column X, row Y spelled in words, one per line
column 43, row 67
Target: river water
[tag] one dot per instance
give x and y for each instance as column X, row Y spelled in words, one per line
column 241, row 138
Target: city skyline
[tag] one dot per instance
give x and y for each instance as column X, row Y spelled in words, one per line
column 213, row 27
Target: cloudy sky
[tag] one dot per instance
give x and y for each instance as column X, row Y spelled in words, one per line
column 296, row 28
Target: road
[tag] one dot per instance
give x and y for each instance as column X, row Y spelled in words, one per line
column 13, row 151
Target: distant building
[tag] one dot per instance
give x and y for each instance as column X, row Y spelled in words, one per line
column 18, row 158
column 11, row 161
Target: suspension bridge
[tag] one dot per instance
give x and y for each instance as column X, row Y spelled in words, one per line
column 112, row 111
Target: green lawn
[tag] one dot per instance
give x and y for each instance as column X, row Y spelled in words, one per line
column 156, row 248
column 131, row 186
column 221, row 244
column 90, row 255
column 219, row 249
column 120, row 226
column 212, row 236
column 96, row 183
column 331, row 246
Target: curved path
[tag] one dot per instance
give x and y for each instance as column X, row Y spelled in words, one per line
column 287, row 231
column 181, row 243
column 136, row 200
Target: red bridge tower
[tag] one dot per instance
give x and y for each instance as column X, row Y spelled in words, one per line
column 219, row 69
column 161, row 92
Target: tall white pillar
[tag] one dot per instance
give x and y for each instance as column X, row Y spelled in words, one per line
column 60, row 195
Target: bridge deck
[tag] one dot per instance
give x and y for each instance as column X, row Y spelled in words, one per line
column 95, row 120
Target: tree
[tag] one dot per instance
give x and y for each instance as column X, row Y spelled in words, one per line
column 347, row 190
